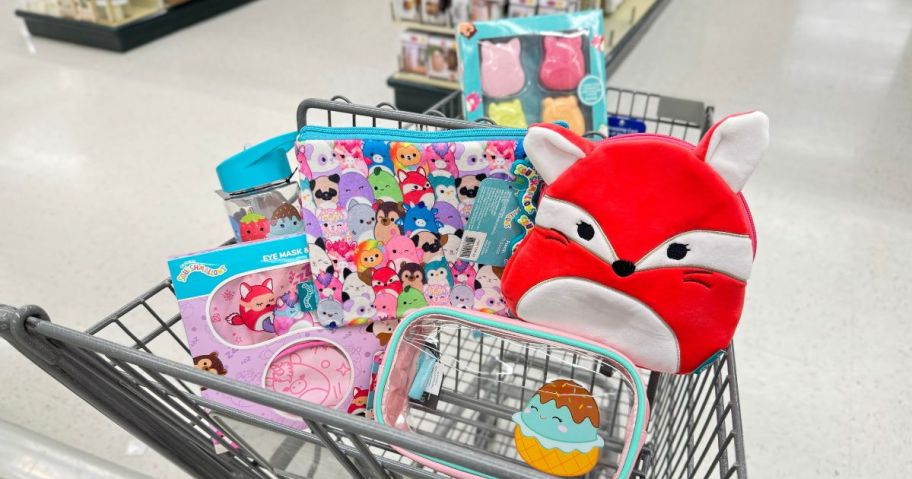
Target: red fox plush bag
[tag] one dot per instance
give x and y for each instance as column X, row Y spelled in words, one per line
column 641, row 242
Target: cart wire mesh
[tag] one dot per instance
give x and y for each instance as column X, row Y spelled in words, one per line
column 134, row 367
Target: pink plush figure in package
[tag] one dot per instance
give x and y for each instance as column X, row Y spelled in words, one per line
column 501, row 68
column 249, row 312
column 563, row 64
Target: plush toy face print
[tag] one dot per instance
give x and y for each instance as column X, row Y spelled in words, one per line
column 438, row 272
column 341, row 253
column 405, row 156
column 463, row 272
column 358, row 310
column 386, row 280
column 400, row 249
column 563, row 65
column 462, row 297
column 441, row 158
column 320, row 160
column 329, row 313
column 256, row 307
column 444, row 187
column 384, row 185
column 490, row 300
column 451, row 243
column 487, row 277
column 467, row 187
column 377, row 155
column 416, row 188
column 410, row 300
column 319, row 259
column 286, row 220
column 508, row 113
column 210, row 363
column 349, row 154
column 564, row 108
column 437, row 294
column 325, row 190
column 449, row 218
column 651, row 269
column 354, row 186
column 412, row 275
column 361, row 219
column 369, row 254
column 500, row 156
column 419, row 218
column 501, row 72
column 254, row 227
column 334, row 222
column 354, row 287
column 428, row 245
column 385, row 304
column 472, row 162
column 328, row 286
column 388, row 216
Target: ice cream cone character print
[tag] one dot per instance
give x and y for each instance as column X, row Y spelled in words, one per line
column 557, row 431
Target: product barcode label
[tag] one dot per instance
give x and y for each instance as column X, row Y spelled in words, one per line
column 472, row 241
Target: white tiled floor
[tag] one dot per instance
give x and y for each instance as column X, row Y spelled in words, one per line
column 106, row 168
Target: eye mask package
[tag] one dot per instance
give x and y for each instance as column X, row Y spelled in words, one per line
column 520, row 71
column 549, row 399
column 386, row 211
column 242, row 309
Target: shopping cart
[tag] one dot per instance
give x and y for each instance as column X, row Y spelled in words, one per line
column 134, row 366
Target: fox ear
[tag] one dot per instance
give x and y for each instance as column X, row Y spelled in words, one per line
column 245, row 289
column 268, row 283
column 734, row 147
column 552, row 149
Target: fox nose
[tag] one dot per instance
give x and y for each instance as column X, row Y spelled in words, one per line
column 623, row 268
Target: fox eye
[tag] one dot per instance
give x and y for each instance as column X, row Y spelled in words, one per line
column 585, row 230
column 677, row 251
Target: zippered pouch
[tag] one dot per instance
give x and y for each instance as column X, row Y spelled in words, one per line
column 554, row 401
column 387, row 209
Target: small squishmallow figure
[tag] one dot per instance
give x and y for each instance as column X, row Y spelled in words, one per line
column 563, row 64
column 501, row 69
column 508, row 113
column 254, row 226
column 564, row 108
column 557, row 431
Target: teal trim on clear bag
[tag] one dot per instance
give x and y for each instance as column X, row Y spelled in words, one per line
column 624, row 362
column 393, row 134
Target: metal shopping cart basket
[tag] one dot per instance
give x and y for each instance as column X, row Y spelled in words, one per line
column 134, row 367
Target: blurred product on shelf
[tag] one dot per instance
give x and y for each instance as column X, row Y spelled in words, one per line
column 522, row 8
column 105, row 12
column 406, row 10
column 414, row 52
column 435, row 12
column 442, row 58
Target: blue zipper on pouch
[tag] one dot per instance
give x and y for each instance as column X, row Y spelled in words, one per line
column 393, row 134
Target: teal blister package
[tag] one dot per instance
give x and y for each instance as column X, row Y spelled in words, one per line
column 520, row 71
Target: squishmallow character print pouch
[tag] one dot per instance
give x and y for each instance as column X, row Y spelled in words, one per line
column 389, row 209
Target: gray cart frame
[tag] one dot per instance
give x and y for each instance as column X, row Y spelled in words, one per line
column 134, row 367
